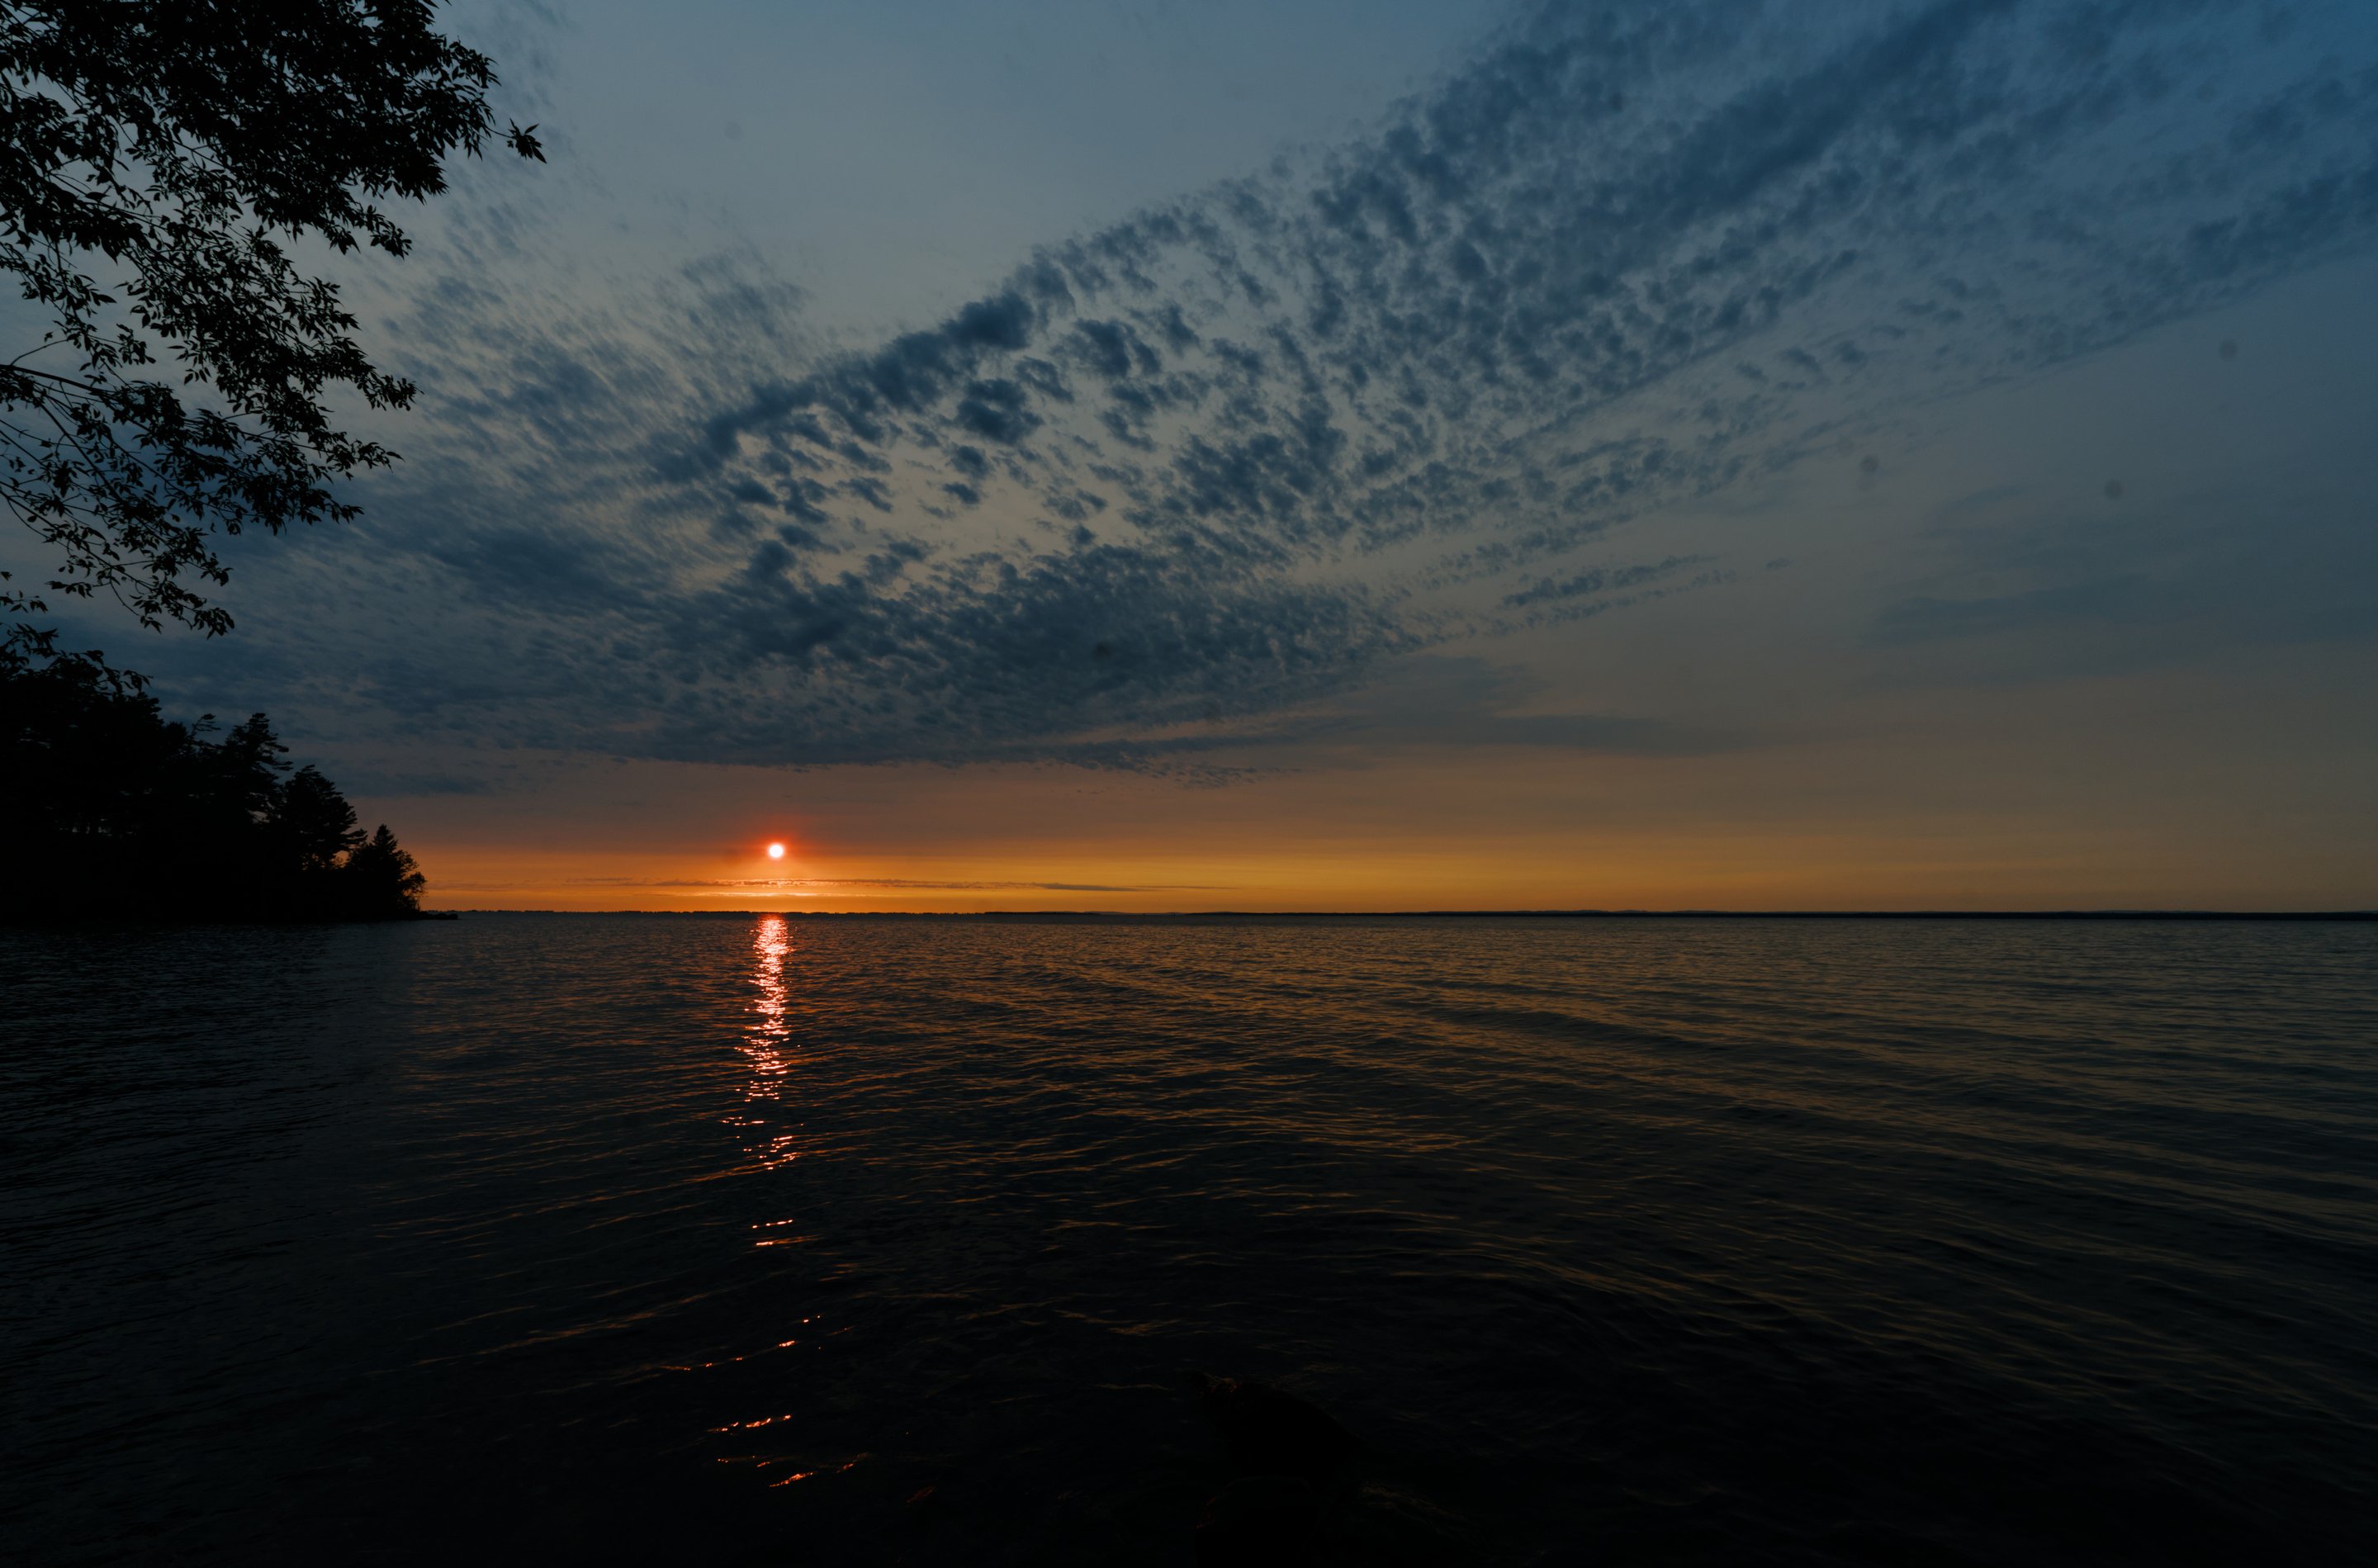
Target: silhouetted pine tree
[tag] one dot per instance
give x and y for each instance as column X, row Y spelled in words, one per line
column 110, row 809
column 379, row 881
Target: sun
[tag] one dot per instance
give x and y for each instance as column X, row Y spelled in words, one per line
column 775, row 852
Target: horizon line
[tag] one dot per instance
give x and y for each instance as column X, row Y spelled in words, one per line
column 2106, row 914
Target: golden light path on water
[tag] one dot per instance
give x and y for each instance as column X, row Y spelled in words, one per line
column 767, row 1041
column 1905, row 1240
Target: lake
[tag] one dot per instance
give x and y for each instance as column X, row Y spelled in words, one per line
column 754, row 1240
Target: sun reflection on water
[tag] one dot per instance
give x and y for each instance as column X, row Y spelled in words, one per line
column 767, row 1041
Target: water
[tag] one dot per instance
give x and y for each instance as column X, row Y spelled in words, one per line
column 742, row 1239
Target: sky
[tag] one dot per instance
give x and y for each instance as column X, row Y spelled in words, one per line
column 1319, row 455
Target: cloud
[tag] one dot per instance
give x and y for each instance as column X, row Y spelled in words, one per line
column 1239, row 455
column 1928, row 620
column 382, row 783
column 783, row 886
column 1435, row 702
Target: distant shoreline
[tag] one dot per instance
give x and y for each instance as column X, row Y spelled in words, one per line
column 76, row 919
column 1185, row 916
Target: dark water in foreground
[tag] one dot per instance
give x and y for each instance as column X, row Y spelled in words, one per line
column 616, row 1238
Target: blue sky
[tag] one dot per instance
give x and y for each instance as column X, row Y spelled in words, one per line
column 1229, row 442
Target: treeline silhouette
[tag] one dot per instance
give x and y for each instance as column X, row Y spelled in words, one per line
column 113, row 812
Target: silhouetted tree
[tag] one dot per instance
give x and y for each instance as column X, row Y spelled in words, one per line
column 159, row 159
column 380, row 881
column 109, row 809
column 313, row 821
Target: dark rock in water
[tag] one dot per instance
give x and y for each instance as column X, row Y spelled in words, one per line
column 1267, row 1432
column 1258, row 1522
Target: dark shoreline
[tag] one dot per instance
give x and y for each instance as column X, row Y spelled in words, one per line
column 65, row 919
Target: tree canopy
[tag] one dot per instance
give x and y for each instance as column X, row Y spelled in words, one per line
column 160, row 162
column 112, row 810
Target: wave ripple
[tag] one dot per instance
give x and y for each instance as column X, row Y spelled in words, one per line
column 634, row 1239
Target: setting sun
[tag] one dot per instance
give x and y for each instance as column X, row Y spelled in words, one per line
column 1494, row 704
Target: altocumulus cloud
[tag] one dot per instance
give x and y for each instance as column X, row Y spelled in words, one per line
column 1223, row 458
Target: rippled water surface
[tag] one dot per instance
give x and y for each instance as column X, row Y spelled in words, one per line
column 749, row 1239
